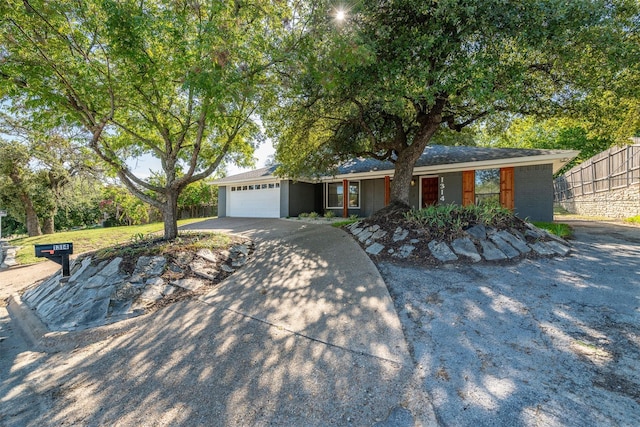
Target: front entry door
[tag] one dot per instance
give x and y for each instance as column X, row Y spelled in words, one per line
column 429, row 191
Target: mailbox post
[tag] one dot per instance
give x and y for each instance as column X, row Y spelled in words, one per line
column 57, row 252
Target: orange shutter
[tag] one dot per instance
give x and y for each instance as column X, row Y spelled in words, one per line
column 468, row 188
column 387, row 190
column 345, row 198
column 507, row 199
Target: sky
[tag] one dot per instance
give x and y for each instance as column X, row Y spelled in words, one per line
column 142, row 166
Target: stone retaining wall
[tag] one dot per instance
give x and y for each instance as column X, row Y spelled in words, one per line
column 615, row 203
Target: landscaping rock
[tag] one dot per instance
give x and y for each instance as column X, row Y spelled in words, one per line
column 189, row 283
column 505, row 247
column 227, row 268
column 534, row 232
column 206, row 254
column 204, row 269
column 378, row 235
column 356, row 230
column 491, row 252
column 558, row 248
column 478, row 232
column 241, row 249
column 364, row 235
column 404, row 251
column 375, row 249
column 542, row 249
column 400, row 234
column 514, row 241
column 465, row 247
column 441, row 251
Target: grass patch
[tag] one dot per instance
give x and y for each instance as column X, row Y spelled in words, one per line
column 633, row 220
column 339, row 224
column 557, row 228
column 151, row 246
column 91, row 239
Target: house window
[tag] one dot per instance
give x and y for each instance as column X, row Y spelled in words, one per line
column 244, row 188
column 272, row 185
column 233, row 188
column 263, row 186
column 277, row 185
column 487, row 186
column 335, row 195
column 251, row 187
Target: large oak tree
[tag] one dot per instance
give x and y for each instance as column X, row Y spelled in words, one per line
column 382, row 82
column 179, row 80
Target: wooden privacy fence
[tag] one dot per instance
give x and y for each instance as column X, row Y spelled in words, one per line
column 615, row 168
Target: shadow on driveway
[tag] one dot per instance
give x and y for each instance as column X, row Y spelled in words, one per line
column 304, row 334
column 544, row 342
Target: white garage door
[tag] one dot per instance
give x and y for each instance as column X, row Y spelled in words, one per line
column 254, row 201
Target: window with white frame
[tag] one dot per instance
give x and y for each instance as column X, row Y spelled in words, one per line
column 335, row 195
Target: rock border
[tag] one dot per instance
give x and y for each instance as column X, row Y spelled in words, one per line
column 478, row 243
column 100, row 292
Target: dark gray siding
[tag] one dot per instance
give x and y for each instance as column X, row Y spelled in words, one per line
column 414, row 193
column 452, row 188
column 371, row 196
column 284, row 199
column 302, row 198
column 533, row 191
column 222, row 201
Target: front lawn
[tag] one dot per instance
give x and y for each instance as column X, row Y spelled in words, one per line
column 89, row 239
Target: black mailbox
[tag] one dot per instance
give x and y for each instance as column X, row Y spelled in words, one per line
column 58, row 252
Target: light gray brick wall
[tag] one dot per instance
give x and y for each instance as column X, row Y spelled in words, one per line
column 615, row 203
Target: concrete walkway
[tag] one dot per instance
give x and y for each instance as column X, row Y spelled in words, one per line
column 304, row 334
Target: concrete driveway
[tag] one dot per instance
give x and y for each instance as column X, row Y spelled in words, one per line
column 304, row 334
column 540, row 343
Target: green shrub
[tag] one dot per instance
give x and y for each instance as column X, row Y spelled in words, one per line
column 634, row 219
column 303, row 215
column 314, row 215
column 452, row 219
column 329, row 214
column 557, row 228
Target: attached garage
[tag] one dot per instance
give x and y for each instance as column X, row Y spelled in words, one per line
column 254, row 200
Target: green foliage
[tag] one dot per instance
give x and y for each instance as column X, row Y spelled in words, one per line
column 314, row 215
column 453, row 219
column 339, row 224
column 119, row 207
column 633, row 219
column 177, row 81
column 329, row 214
column 551, row 134
column 87, row 239
column 396, row 73
column 559, row 229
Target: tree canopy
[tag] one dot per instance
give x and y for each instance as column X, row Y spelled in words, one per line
column 180, row 80
column 394, row 73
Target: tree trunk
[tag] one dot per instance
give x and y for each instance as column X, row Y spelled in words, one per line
column 170, row 215
column 406, row 161
column 48, row 225
column 32, row 223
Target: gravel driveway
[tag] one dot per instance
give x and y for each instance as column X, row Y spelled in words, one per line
column 543, row 342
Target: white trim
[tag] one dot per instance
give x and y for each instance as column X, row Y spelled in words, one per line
column 556, row 159
column 345, row 195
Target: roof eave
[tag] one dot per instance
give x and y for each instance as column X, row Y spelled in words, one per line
column 558, row 159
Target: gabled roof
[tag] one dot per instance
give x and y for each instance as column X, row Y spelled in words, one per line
column 434, row 159
column 261, row 174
